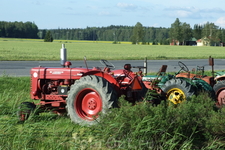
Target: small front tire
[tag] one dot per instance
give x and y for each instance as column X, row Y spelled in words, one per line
column 24, row 110
column 178, row 90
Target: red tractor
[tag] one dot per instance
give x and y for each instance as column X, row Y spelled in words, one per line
column 81, row 92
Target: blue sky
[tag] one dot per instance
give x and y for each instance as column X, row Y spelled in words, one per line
column 53, row 14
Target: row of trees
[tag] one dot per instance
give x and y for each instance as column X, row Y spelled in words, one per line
column 18, row 29
column 110, row 33
column 182, row 32
column 178, row 31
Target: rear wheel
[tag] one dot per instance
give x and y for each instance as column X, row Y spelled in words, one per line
column 178, row 90
column 87, row 97
column 219, row 89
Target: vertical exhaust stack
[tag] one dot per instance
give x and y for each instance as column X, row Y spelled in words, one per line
column 211, row 63
column 63, row 55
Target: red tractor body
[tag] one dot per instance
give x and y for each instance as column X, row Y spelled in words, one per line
column 83, row 91
column 54, row 83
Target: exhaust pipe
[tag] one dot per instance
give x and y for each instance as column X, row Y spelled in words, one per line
column 63, row 55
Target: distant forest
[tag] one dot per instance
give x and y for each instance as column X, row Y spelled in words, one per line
column 111, row 33
column 18, row 30
column 178, row 31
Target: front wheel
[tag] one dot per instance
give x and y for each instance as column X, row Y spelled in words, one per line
column 219, row 89
column 178, row 90
column 24, row 110
column 89, row 96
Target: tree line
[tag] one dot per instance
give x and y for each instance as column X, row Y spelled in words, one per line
column 182, row 32
column 179, row 31
column 18, row 29
column 110, row 33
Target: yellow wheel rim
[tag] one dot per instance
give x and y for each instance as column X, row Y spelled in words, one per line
column 176, row 95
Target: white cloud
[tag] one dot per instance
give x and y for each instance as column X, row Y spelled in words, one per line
column 183, row 13
column 126, row 6
column 193, row 12
column 104, row 13
column 154, row 25
column 94, row 7
column 212, row 10
column 220, row 22
column 69, row 8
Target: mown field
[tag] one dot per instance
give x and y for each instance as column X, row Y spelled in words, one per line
column 195, row 124
column 34, row 49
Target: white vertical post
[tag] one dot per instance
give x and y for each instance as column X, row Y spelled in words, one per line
column 63, row 55
column 145, row 66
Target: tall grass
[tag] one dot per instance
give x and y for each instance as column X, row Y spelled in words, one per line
column 194, row 124
column 191, row 125
column 46, row 131
column 12, row 49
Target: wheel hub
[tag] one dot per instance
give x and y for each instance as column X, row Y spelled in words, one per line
column 176, row 96
column 92, row 104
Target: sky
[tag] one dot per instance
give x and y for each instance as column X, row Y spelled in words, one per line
column 54, row 14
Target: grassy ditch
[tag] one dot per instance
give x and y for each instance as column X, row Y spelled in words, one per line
column 194, row 124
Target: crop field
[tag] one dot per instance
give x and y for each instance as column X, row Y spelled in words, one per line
column 36, row 49
column 195, row 124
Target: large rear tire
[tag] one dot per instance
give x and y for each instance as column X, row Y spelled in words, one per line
column 178, row 90
column 219, row 89
column 89, row 96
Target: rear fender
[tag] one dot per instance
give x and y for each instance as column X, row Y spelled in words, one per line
column 219, row 77
column 201, row 84
column 104, row 75
column 136, row 83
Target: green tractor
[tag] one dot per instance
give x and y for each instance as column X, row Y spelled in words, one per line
column 218, row 85
column 182, row 85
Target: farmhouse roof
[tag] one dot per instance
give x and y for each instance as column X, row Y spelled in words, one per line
column 199, row 41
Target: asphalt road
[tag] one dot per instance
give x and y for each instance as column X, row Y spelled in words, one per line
column 22, row 68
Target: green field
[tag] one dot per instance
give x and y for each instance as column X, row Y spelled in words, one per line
column 34, row 49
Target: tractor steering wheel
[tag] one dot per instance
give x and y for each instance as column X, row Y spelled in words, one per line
column 183, row 66
column 107, row 64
